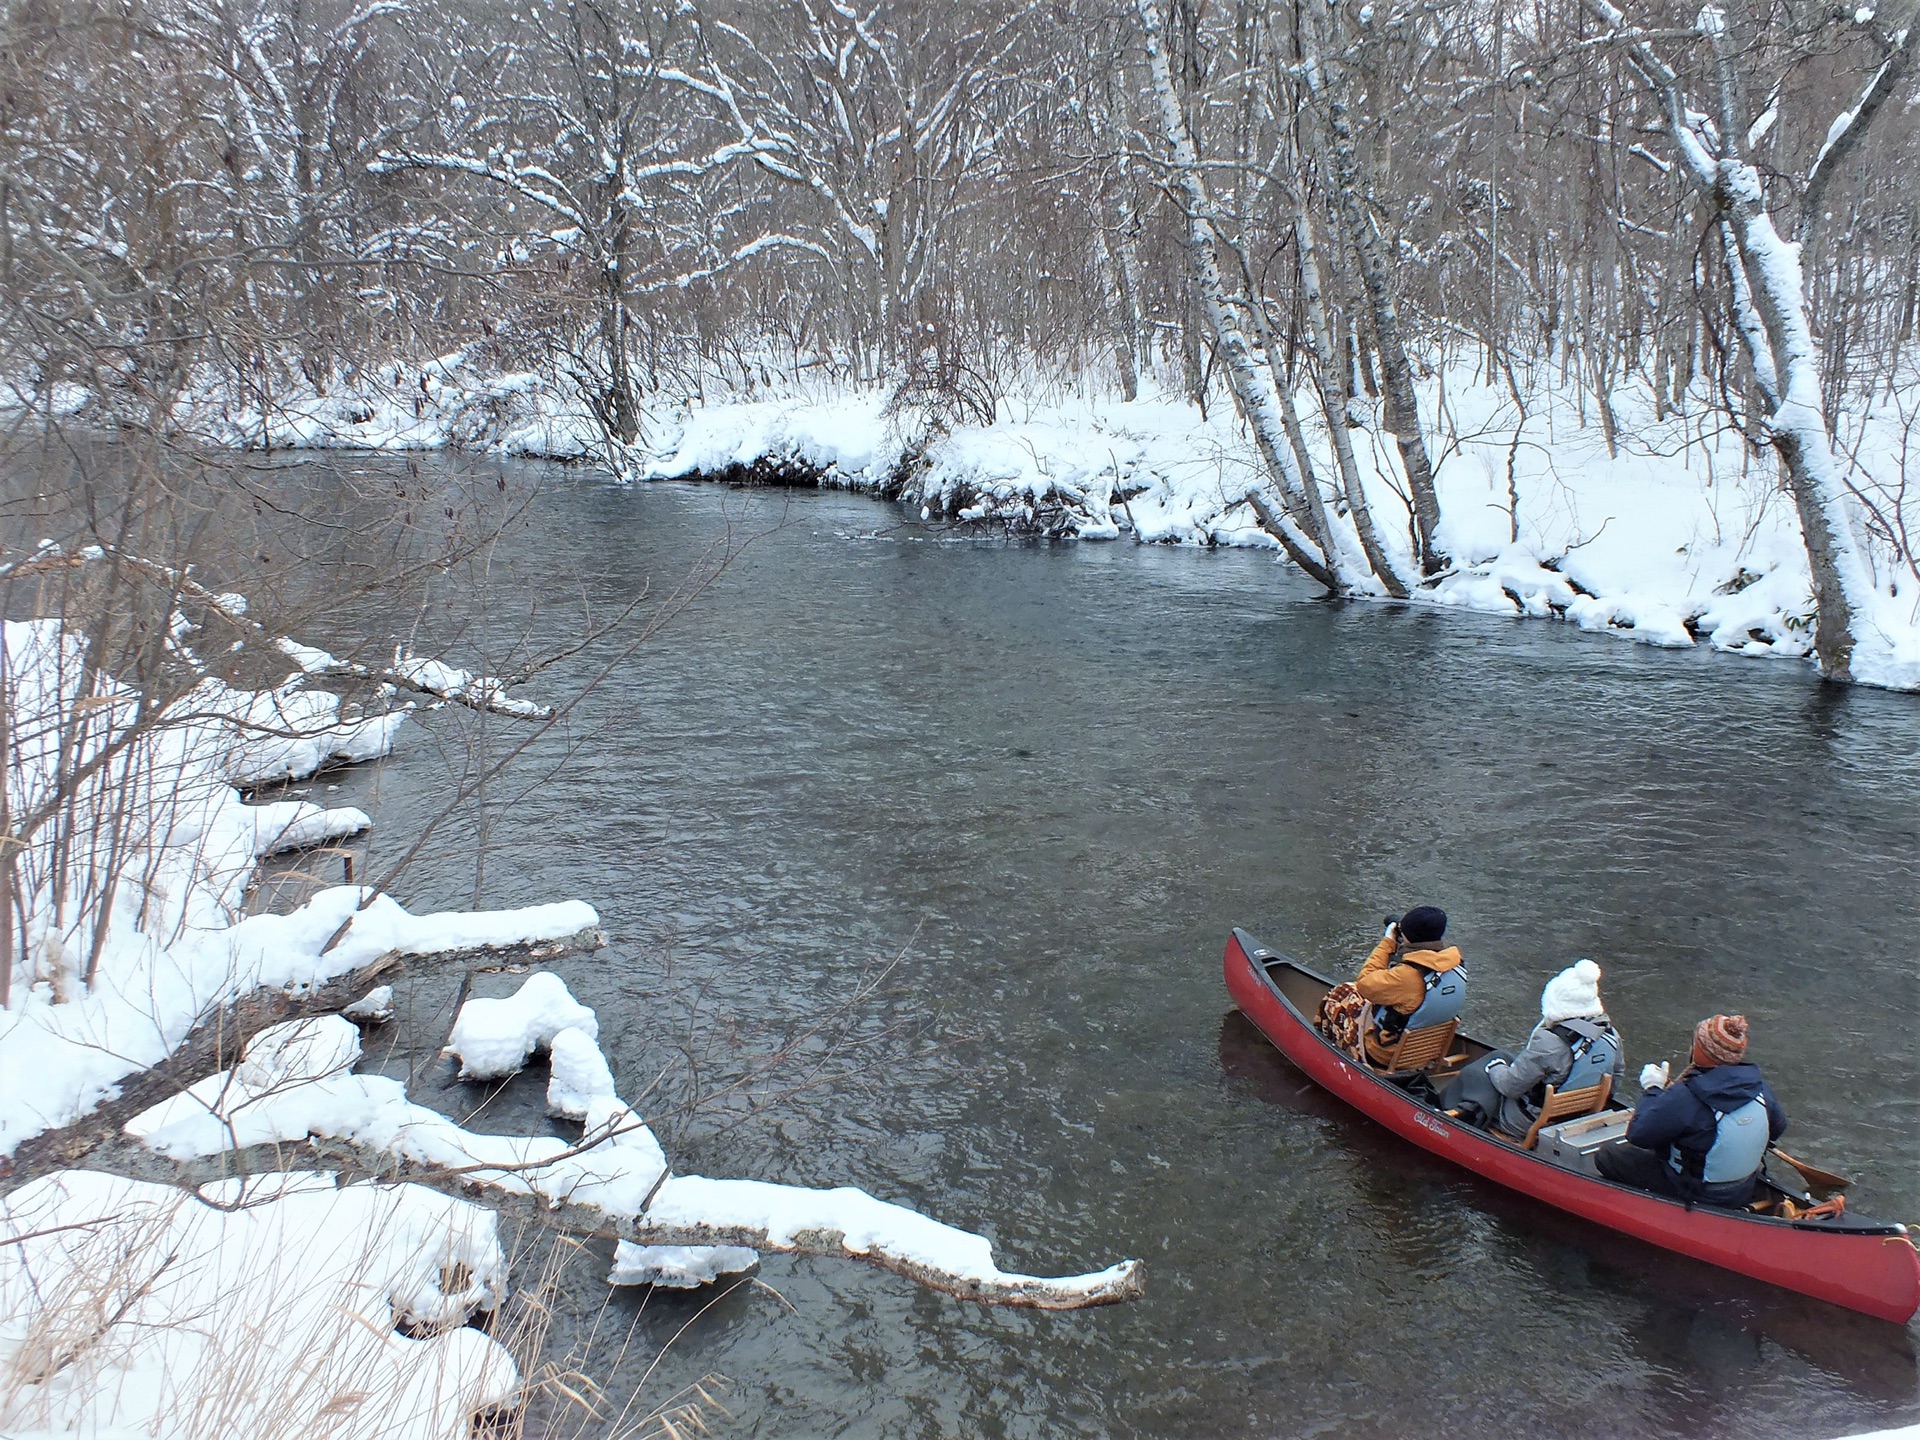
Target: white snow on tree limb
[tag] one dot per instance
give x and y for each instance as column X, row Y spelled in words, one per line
column 298, row 1087
column 781, row 1216
column 297, row 1051
column 578, row 1074
column 678, row 1267
column 493, row 1038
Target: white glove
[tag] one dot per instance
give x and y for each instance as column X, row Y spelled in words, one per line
column 1653, row 1077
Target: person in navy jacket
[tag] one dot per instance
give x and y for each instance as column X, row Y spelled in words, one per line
column 1703, row 1138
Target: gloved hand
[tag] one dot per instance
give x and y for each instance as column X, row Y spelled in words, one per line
column 1653, row 1077
column 1392, row 931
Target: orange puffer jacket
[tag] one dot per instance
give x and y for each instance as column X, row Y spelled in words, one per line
column 1399, row 981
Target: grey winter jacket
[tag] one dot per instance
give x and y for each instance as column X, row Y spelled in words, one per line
column 1547, row 1060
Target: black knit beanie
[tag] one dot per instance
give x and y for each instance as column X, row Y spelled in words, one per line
column 1423, row 925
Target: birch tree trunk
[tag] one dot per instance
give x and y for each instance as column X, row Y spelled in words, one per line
column 1769, row 301
column 1252, row 380
column 1350, row 191
column 1333, row 399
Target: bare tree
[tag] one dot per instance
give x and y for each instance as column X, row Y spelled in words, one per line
column 1767, row 290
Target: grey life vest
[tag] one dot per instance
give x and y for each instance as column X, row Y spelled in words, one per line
column 1596, row 1050
column 1739, row 1145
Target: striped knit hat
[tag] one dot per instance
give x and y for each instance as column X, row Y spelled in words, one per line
column 1720, row 1040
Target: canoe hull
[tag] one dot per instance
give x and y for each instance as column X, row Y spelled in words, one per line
column 1875, row 1269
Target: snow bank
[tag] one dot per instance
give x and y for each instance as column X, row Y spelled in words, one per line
column 493, row 1038
column 297, row 1296
column 456, row 401
column 128, row 1305
column 845, row 440
column 155, row 828
column 167, row 844
column 1681, row 537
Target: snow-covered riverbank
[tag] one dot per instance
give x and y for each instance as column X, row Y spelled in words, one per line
column 1678, row 535
column 188, row 1242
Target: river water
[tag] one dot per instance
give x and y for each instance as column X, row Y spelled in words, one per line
column 963, row 824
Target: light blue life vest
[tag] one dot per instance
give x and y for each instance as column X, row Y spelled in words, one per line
column 1739, row 1145
column 1446, row 998
column 1596, row 1050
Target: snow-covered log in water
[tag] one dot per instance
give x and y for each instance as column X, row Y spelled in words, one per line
column 295, row 1088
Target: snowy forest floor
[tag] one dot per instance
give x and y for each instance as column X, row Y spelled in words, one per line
column 1678, row 532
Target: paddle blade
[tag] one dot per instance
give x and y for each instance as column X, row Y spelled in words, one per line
column 1816, row 1178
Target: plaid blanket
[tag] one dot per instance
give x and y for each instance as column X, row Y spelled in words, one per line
column 1343, row 1019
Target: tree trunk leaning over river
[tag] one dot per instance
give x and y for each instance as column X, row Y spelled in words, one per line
column 1334, row 399
column 1768, row 292
column 1353, row 202
column 1251, row 377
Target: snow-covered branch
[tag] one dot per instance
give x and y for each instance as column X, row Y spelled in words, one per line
column 1850, row 126
column 295, row 1089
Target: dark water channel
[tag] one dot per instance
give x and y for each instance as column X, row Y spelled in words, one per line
column 1055, row 775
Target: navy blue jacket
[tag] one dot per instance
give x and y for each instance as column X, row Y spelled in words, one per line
column 1682, row 1114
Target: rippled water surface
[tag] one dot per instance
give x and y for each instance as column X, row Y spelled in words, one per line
column 1053, row 776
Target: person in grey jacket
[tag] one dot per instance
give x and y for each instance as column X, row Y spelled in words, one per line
column 1505, row 1090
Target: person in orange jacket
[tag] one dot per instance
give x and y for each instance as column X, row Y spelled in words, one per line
column 1393, row 983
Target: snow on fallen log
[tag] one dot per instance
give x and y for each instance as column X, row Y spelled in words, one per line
column 294, row 1082
column 613, row 1183
column 299, row 1050
column 578, row 1075
column 286, row 825
column 373, row 1008
column 383, row 927
column 493, row 1038
column 463, row 687
column 291, row 733
column 678, row 1267
column 314, row 1309
column 854, row 1223
column 60, row 1060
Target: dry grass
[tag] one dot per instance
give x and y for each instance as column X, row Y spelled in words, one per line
column 560, row 1399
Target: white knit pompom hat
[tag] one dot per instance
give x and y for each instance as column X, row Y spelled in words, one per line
column 1572, row 994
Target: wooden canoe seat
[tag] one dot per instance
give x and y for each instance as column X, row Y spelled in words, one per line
column 1419, row 1049
column 1567, row 1105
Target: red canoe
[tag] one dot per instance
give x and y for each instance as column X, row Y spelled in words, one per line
column 1862, row 1264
